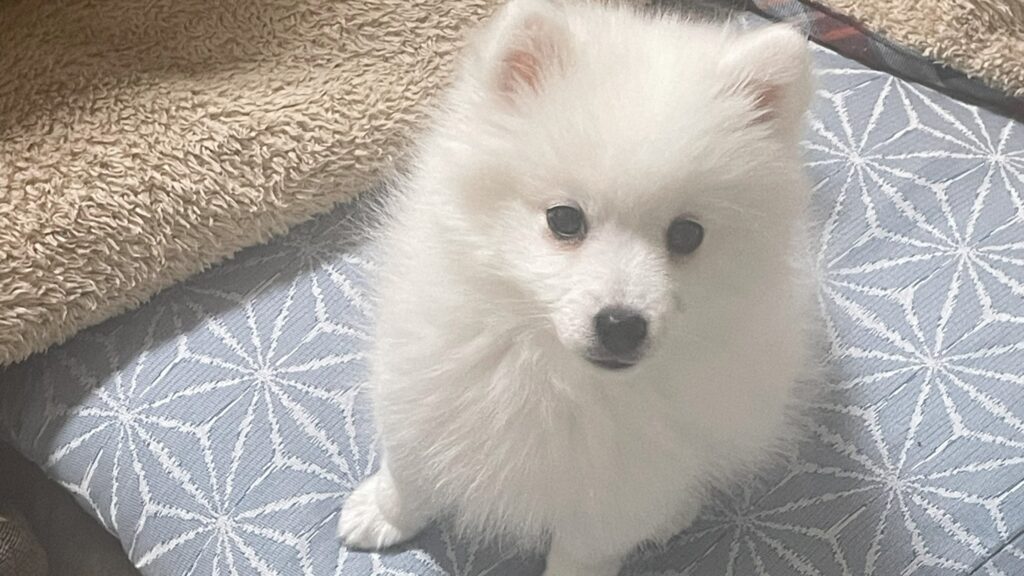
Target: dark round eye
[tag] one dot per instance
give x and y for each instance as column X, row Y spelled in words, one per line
column 566, row 221
column 684, row 236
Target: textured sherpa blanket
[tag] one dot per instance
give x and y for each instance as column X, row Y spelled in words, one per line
column 984, row 38
column 142, row 141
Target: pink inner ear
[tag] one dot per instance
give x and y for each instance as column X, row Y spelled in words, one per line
column 519, row 68
column 534, row 49
column 767, row 99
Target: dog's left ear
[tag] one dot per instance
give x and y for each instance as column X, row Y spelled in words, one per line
column 772, row 68
column 527, row 44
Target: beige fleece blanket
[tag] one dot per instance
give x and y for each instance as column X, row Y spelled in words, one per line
column 143, row 141
column 984, row 38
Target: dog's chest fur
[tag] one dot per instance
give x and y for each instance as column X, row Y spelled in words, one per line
column 510, row 450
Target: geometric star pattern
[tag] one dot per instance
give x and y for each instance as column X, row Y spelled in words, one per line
column 217, row 429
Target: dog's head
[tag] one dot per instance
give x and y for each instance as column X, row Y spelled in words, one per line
column 634, row 176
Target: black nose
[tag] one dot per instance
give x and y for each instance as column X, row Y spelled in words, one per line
column 620, row 331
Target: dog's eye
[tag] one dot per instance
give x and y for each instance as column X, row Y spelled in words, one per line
column 567, row 222
column 684, row 236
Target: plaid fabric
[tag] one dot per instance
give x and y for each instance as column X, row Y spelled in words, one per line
column 847, row 37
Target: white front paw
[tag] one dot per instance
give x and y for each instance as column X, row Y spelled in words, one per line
column 361, row 524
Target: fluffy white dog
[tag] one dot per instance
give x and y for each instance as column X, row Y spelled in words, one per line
column 594, row 300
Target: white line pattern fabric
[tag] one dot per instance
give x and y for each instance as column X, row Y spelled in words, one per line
column 217, row 430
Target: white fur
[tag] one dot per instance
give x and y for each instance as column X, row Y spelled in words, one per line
column 487, row 409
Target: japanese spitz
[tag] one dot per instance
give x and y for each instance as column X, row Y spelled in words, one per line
column 594, row 301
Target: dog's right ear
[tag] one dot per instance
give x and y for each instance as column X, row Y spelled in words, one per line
column 526, row 45
column 771, row 68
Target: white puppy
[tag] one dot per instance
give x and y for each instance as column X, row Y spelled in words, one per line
column 593, row 301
